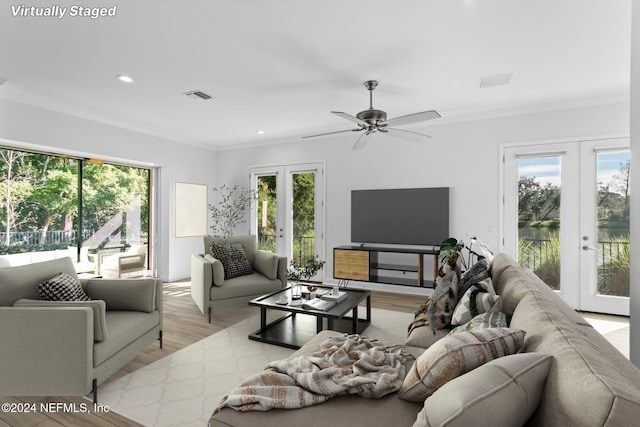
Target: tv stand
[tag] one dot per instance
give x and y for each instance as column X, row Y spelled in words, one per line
column 367, row 264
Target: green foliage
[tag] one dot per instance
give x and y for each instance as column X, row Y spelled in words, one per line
column 39, row 192
column 614, row 274
column 305, row 271
column 230, row 210
column 452, row 249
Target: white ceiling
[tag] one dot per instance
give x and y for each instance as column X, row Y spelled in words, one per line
column 282, row 65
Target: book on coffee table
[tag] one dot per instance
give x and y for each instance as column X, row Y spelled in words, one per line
column 318, row 304
column 330, row 296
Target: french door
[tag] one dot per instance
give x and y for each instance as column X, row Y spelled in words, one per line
column 289, row 216
column 566, row 217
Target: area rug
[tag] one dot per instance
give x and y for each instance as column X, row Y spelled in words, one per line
column 185, row 387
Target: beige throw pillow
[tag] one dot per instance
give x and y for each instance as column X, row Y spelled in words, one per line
column 455, row 355
column 502, row 393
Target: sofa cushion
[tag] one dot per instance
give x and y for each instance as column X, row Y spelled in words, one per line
column 475, row 301
column 233, row 259
column 267, row 264
column 455, row 355
column 62, row 287
column 249, row 285
column 98, row 307
column 126, row 295
column 589, row 382
column 502, row 393
column 483, row 321
column 424, row 337
column 125, row 327
column 22, row 281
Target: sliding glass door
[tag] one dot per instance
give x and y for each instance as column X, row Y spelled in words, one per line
column 54, row 206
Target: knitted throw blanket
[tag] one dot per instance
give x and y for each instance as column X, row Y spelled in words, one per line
column 347, row 364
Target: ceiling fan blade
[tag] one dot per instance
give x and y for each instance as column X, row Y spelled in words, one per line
column 350, row 118
column 407, row 134
column 362, row 141
column 412, row 118
column 331, row 133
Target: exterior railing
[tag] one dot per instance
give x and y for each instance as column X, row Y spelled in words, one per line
column 303, row 247
column 612, row 256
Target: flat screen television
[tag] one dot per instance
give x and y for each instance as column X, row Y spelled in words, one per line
column 406, row 216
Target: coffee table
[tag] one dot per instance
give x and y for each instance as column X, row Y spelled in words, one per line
column 299, row 325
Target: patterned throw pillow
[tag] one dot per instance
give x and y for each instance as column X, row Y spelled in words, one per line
column 483, row 321
column 476, row 274
column 475, row 301
column 233, row 259
column 62, row 287
column 443, row 301
column 455, row 355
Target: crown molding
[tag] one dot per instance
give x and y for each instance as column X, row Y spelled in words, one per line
column 56, row 107
column 448, row 117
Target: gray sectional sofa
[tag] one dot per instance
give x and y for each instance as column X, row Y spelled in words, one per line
column 211, row 291
column 52, row 348
column 587, row 382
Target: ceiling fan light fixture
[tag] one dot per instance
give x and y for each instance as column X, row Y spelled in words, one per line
column 496, row 80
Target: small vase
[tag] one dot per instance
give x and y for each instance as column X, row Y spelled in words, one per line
column 296, row 291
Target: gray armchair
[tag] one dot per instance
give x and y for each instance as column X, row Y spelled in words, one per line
column 211, row 291
column 53, row 348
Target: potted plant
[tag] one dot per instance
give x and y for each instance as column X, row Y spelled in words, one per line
column 451, row 252
column 229, row 212
column 304, row 272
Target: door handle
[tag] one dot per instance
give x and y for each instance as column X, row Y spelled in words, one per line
column 588, row 248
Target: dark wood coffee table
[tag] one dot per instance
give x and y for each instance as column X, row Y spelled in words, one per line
column 299, row 325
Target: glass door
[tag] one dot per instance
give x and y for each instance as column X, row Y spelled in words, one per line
column 604, row 223
column 540, row 210
column 566, row 218
column 289, row 215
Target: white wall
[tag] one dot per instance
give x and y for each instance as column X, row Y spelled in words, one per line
column 634, row 335
column 461, row 155
column 26, row 126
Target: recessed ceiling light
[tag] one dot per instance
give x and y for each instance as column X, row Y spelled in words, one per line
column 124, row 78
column 260, row 132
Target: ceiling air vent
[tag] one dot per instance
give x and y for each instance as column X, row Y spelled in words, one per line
column 198, row 94
column 497, row 80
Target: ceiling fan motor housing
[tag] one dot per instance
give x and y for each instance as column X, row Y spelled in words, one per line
column 372, row 117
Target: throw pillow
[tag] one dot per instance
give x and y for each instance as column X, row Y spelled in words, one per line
column 476, row 274
column 443, row 301
column 502, row 393
column 62, row 287
column 233, row 259
column 475, row 301
column 482, row 321
column 455, row 355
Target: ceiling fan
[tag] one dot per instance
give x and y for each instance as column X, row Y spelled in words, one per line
column 371, row 121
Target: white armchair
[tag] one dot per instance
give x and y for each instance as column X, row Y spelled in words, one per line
column 115, row 265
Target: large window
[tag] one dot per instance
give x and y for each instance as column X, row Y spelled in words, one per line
column 53, row 206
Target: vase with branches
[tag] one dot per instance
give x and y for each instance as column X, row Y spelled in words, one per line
column 229, row 212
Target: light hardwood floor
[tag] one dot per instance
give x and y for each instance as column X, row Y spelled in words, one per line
column 183, row 325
